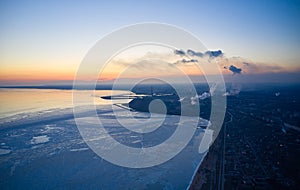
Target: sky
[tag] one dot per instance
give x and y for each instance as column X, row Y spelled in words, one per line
column 42, row 41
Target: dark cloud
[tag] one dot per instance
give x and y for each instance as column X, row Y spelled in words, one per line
column 194, row 53
column 213, row 54
column 190, row 52
column 235, row 70
column 179, row 52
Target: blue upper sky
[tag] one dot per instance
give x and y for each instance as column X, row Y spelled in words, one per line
column 63, row 31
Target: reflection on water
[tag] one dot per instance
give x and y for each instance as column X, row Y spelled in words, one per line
column 16, row 101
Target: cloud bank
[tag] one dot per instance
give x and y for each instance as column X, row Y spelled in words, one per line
column 167, row 63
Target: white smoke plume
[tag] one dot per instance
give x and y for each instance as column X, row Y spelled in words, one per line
column 234, row 90
column 202, row 96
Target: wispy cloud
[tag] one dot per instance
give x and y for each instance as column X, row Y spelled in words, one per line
column 186, row 61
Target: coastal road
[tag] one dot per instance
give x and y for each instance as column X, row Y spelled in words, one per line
column 222, row 160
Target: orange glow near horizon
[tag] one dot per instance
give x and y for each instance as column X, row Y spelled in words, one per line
column 35, row 75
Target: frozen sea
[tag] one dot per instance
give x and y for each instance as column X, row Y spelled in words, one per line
column 41, row 146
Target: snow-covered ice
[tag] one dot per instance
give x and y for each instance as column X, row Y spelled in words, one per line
column 4, row 151
column 61, row 159
column 39, row 139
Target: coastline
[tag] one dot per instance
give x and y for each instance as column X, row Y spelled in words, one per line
column 196, row 171
column 206, row 175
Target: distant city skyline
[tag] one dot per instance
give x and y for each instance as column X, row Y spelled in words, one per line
column 44, row 42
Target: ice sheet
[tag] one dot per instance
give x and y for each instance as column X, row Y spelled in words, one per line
column 60, row 159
